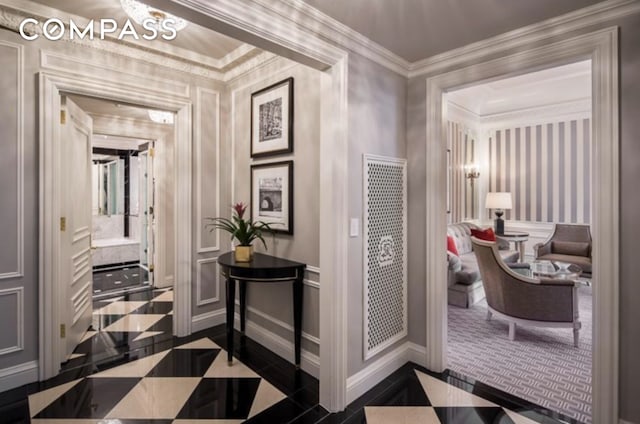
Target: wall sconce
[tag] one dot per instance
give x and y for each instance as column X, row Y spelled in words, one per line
column 471, row 171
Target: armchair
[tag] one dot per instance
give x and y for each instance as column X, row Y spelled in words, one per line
column 569, row 243
column 522, row 300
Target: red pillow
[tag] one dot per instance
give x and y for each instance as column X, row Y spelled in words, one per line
column 486, row 235
column 451, row 246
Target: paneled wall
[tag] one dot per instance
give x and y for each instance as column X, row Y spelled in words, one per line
column 547, row 169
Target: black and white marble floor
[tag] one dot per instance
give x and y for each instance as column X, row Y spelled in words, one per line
column 130, row 369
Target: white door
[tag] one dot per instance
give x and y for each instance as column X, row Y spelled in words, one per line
column 75, row 264
column 147, row 211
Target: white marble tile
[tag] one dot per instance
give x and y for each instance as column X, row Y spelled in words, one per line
column 135, row 323
column 400, row 415
column 120, row 308
column 137, row 368
column 444, row 394
column 147, row 334
column 266, row 396
column 164, row 297
column 221, row 369
column 155, row 397
column 517, row 418
column 39, row 401
column 203, row 343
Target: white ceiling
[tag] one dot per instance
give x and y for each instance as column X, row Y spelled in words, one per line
column 194, row 42
column 551, row 86
column 417, row 29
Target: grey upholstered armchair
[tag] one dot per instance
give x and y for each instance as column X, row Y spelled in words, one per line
column 569, row 243
column 522, row 300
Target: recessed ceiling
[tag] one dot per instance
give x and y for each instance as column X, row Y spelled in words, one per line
column 110, row 108
column 561, row 84
column 417, row 29
column 194, row 38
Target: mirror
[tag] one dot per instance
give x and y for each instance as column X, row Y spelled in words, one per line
column 108, row 175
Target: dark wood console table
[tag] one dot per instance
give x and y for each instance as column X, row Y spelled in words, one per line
column 262, row 269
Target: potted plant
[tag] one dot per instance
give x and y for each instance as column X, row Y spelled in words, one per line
column 243, row 230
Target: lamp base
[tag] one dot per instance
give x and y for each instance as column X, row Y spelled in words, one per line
column 499, row 223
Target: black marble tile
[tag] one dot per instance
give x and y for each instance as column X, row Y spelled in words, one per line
column 345, row 417
column 165, row 324
column 284, row 411
column 287, row 378
column 155, row 308
column 90, row 398
column 14, row 407
column 221, row 398
column 136, row 421
column 404, row 391
column 312, row 416
column 185, row 363
column 306, row 397
column 468, row 415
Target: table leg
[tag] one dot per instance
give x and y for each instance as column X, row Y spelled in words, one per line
column 243, row 304
column 521, row 250
column 297, row 316
column 231, row 297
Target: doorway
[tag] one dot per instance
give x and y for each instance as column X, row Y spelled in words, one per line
column 601, row 48
column 527, row 137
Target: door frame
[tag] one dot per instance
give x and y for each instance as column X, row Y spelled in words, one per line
column 51, row 86
column 602, row 48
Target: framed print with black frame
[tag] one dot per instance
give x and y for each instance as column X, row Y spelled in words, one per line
column 272, row 195
column 272, row 120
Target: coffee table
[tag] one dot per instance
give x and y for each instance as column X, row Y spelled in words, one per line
column 548, row 269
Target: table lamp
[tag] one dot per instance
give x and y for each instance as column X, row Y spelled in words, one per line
column 499, row 201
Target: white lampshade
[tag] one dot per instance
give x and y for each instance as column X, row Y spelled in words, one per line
column 499, row 200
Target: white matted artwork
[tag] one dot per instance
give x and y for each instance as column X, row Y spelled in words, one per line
column 272, row 195
column 272, row 119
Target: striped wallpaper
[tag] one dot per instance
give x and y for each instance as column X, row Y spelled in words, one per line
column 462, row 199
column 547, row 169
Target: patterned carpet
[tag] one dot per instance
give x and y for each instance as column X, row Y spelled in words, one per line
column 548, row 370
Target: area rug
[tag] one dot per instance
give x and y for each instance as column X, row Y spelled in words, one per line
column 541, row 365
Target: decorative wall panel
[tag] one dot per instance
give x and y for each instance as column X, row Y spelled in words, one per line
column 385, row 256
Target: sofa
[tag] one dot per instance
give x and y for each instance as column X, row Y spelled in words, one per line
column 464, row 282
column 569, row 243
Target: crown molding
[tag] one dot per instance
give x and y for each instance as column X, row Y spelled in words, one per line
column 12, row 12
column 301, row 13
column 581, row 18
column 562, row 111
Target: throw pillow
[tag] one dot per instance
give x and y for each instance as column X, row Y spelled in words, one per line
column 486, row 234
column 570, row 248
column 451, row 246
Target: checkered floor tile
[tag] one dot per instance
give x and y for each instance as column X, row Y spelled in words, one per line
column 183, row 383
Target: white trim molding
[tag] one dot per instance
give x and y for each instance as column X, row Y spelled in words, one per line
column 18, row 375
column 199, row 119
column 208, row 320
column 309, row 362
column 19, row 201
column 602, row 48
column 18, row 292
column 51, row 85
column 199, row 300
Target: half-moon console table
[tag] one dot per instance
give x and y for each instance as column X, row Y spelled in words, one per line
column 263, row 269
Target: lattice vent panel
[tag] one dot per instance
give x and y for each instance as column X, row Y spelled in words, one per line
column 385, row 257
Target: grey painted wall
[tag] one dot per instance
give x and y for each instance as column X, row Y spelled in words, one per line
column 377, row 122
column 275, row 300
column 629, row 206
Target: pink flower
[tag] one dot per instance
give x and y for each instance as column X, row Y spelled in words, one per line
column 240, row 208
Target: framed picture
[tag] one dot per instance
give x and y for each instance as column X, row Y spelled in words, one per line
column 272, row 120
column 272, row 195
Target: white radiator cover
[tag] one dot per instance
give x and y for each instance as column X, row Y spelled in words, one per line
column 385, row 252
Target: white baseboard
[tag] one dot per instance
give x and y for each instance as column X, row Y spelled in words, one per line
column 18, row 375
column 309, row 362
column 361, row 382
column 417, row 354
column 208, row 320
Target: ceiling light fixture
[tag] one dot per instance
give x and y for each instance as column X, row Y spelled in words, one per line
column 140, row 13
column 161, row 116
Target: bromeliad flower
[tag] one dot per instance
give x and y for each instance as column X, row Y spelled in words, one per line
column 241, row 229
